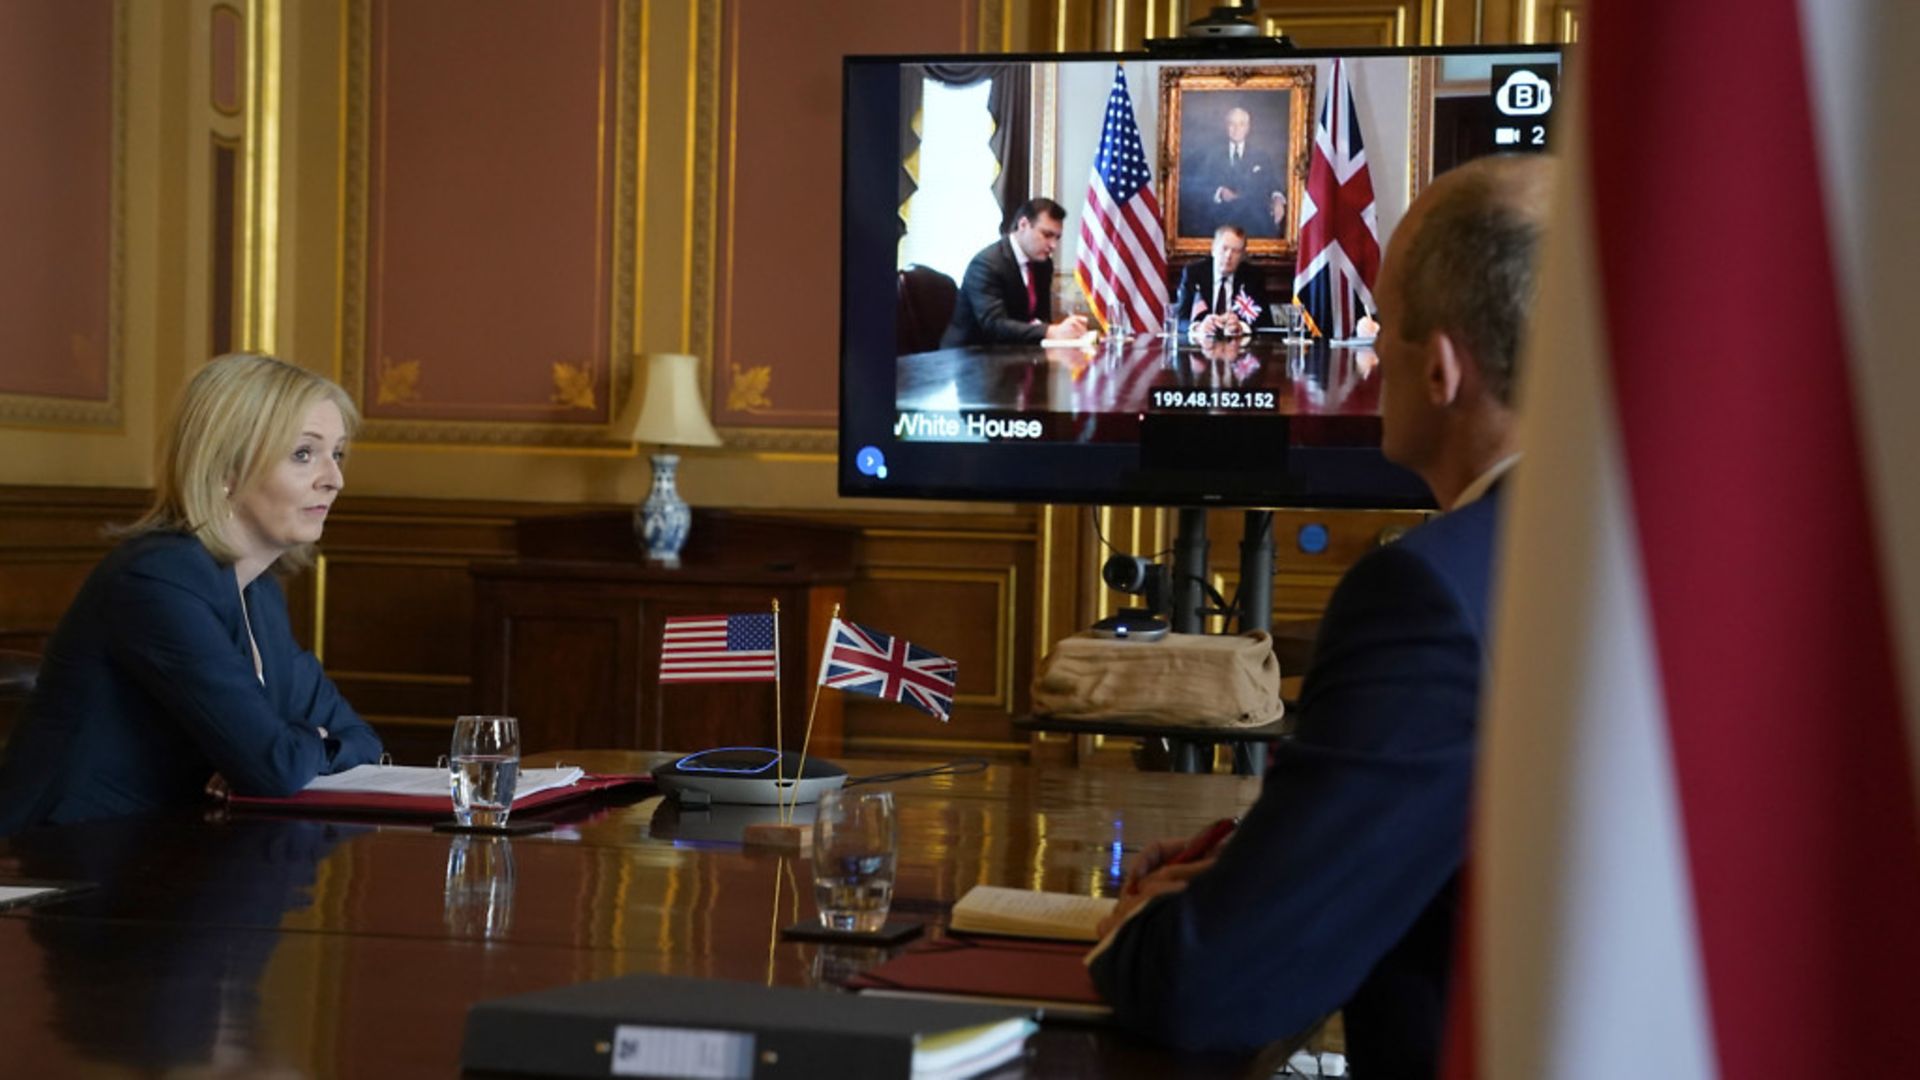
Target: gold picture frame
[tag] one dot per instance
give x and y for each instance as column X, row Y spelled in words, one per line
column 1195, row 103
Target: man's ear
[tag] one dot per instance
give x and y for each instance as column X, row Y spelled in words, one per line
column 1446, row 369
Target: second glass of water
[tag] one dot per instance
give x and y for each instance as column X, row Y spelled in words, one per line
column 854, row 844
column 486, row 764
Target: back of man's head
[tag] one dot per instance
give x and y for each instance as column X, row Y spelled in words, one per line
column 1470, row 269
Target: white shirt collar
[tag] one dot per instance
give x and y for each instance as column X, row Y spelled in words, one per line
column 1019, row 257
column 1482, row 483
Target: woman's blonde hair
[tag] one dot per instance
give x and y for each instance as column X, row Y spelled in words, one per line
column 241, row 413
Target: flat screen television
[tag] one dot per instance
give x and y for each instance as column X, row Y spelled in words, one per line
column 939, row 154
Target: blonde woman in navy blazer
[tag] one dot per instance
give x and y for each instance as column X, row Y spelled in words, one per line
column 175, row 669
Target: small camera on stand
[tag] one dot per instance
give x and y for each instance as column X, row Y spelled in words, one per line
column 1138, row 577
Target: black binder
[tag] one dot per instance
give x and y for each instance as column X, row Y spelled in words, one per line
column 657, row 1025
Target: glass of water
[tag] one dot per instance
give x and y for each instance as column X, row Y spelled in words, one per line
column 854, row 844
column 485, row 763
column 1291, row 318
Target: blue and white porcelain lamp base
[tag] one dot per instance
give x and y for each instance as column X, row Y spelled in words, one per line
column 661, row 523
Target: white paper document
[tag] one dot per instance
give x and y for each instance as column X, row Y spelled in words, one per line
column 425, row 780
column 20, row 894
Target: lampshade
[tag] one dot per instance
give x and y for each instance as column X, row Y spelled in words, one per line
column 672, row 412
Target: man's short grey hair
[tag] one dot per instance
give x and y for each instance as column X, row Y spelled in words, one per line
column 1470, row 271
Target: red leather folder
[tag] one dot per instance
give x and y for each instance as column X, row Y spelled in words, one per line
column 426, row 806
column 988, row 967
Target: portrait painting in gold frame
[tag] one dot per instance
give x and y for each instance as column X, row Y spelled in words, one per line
column 1233, row 149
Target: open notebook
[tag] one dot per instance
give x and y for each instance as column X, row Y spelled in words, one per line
column 425, row 791
column 992, row 909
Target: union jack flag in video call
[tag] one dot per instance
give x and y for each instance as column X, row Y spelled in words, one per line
column 1246, row 307
column 1339, row 228
column 861, row 660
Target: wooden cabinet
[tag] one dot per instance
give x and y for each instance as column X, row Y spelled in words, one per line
column 567, row 637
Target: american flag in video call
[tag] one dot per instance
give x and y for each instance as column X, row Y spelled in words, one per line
column 1122, row 265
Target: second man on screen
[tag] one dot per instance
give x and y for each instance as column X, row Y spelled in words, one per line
column 1007, row 297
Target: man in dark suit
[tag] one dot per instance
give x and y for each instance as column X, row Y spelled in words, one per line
column 1007, row 295
column 1221, row 296
column 1235, row 183
column 1340, row 888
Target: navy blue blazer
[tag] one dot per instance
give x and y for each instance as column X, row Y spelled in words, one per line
column 1340, row 888
column 147, row 689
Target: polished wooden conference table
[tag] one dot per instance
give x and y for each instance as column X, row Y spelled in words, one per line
column 250, row 945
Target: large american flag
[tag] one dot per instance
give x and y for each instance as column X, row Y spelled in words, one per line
column 861, row 660
column 1339, row 231
column 719, row 648
column 1677, row 869
column 1122, row 264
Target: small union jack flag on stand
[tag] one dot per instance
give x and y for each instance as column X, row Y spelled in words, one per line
column 861, row 660
column 1246, row 307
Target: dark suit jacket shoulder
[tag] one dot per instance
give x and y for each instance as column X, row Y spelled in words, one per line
column 992, row 308
column 1340, row 887
column 148, row 688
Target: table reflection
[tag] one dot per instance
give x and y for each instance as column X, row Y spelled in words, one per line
column 265, row 946
column 479, row 893
column 200, row 993
column 1120, row 375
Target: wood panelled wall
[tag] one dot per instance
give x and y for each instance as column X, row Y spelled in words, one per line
column 389, row 604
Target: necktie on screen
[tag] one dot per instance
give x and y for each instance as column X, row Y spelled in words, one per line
column 1033, row 298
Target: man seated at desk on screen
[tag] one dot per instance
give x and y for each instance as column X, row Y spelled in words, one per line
column 1339, row 890
column 1007, row 297
column 1221, row 296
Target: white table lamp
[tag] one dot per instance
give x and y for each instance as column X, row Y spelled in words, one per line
column 672, row 413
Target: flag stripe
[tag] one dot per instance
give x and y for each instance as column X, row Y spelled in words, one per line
column 1866, row 93
column 1584, row 914
column 1764, row 581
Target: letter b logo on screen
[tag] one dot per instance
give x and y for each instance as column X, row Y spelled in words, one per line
column 1523, row 93
column 1523, row 100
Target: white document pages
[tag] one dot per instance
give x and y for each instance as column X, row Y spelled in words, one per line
column 425, row 780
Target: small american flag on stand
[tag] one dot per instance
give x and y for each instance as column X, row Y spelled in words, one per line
column 860, row 660
column 1122, row 264
column 719, row 648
